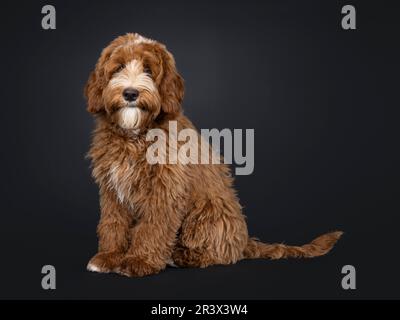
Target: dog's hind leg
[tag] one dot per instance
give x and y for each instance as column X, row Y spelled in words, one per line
column 214, row 232
column 192, row 258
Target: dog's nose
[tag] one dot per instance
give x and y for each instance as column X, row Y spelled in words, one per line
column 130, row 94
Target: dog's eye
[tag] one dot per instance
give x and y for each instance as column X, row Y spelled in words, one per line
column 147, row 70
column 120, row 67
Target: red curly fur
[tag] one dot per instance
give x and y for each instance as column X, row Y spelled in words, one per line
column 152, row 215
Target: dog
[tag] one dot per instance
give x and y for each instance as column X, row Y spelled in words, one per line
column 153, row 215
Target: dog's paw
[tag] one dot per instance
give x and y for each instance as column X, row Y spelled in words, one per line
column 104, row 262
column 136, row 267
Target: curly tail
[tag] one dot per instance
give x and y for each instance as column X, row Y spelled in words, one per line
column 318, row 247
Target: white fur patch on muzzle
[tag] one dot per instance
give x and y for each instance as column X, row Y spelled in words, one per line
column 129, row 117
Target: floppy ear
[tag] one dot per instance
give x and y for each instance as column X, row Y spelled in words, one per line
column 94, row 87
column 93, row 92
column 171, row 86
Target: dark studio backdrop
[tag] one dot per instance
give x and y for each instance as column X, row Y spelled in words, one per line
column 324, row 103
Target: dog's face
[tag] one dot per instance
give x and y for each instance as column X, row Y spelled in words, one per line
column 134, row 82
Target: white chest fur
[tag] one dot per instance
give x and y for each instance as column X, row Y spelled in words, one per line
column 120, row 179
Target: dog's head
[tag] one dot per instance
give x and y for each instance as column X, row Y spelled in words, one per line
column 134, row 82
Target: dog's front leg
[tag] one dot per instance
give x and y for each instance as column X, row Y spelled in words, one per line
column 154, row 237
column 113, row 234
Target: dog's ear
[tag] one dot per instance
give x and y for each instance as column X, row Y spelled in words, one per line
column 171, row 86
column 96, row 83
column 93, row 93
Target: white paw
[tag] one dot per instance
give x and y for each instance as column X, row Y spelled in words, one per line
column 171, row 263
column 93, row 268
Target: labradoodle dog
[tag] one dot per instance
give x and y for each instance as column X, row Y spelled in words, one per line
column 158, row 214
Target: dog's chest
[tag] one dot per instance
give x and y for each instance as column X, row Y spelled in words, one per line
column 123, row 175
column 120, row 178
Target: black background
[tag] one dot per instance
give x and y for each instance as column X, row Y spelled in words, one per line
column 323, row 102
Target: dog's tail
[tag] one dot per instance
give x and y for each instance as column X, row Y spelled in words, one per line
column 318, row 247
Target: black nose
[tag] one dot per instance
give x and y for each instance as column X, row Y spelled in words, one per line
column 130, row 94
